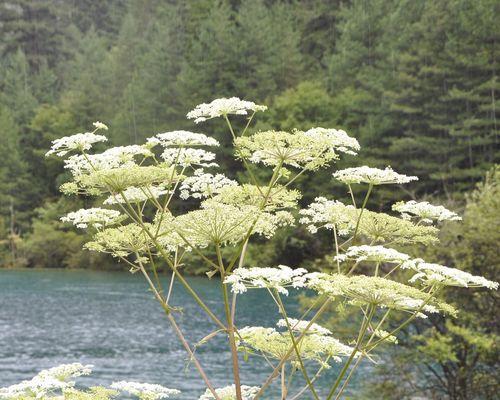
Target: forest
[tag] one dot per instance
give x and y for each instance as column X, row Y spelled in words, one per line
column 414, row 81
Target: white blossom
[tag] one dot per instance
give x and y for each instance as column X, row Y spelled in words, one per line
column 186, row 156
column 203, row 184
column 373, row 176
column 182, row 138
column 137, row 194
column 95, row 217
column 222, row 107
column 46, row 381
column 79, row 142
column 278, row 278
column 324, row 213
column 338, row 139
column 145, row 391
column 300, row 326
column 229, row 393
column 427, row 212
column 100, row 125
column 430, row 273
column 373, row 253
column 114, row 157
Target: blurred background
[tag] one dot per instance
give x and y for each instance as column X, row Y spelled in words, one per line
column 416, row 82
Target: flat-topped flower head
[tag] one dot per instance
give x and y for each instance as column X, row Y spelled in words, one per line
column 78, row 142
column 229, row 393
column 203, row 184
column 187, row 156
column 296, row 149
column 279, row 278
column 339, row 139
column 182, row 139
column 114, row 157
column 145, row 391
column 99, row 125
column 379, row 254
column 137, row 194
column 435, row 274
column 223, row 107
column 65, row 371
column 277, row 197
column 328, row 214
column 218, row 223
column 425, row 211
column 94, row 217
column 117, row 180
column 376, row 291
column 45, row 382
column 300, row 326
column 318, row 347
column 372, row 176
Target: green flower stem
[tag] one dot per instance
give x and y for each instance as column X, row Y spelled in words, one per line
column 277, row 369
column 295, row 347
column 361, row 335
column 368, row 192
column 230, row 326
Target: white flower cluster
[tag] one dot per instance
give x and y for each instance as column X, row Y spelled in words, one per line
column 271, row 278
column 114, row 157
column 222, row 107
column 316, row 346
column 373, row 253
column 426, row 211
column 80, row 141
column 228, row 224
column 46, row 381
column 380, row 292
column 300, row 326
column 297, row 149
column 100, row 125
column 186, row 156
column 439, row 274
column 373, row 176
column 181, row 138
column 95, row 217
column 229, row 393
column 324, row 213
column 137, row 194
column 145, row 391
column 203, row 184
column 339, row 139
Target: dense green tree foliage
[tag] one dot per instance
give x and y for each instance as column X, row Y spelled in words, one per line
column 415, row 82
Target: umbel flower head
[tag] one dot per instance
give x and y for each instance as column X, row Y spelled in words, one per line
column 435, row 274
column 94, row 217
column 376, row 291
column 181, row 139
column 275, row 198
column 203, row 184
column 218, row 223
column 309, row 150
column 46, row 381
column 279, row 278
column 319, row 347
column 339, row 139
column 373, row 176
column 300, row 326
column 374, row 254
column 425, row 211
column 145, row 391
column 229, row 393
column 223, row 107
column 77, row 142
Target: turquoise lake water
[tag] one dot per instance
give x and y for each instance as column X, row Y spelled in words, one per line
column 110, row 320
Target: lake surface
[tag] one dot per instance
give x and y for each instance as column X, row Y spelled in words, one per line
column 110, row 320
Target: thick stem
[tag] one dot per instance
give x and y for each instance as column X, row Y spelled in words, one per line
column 230, row 327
